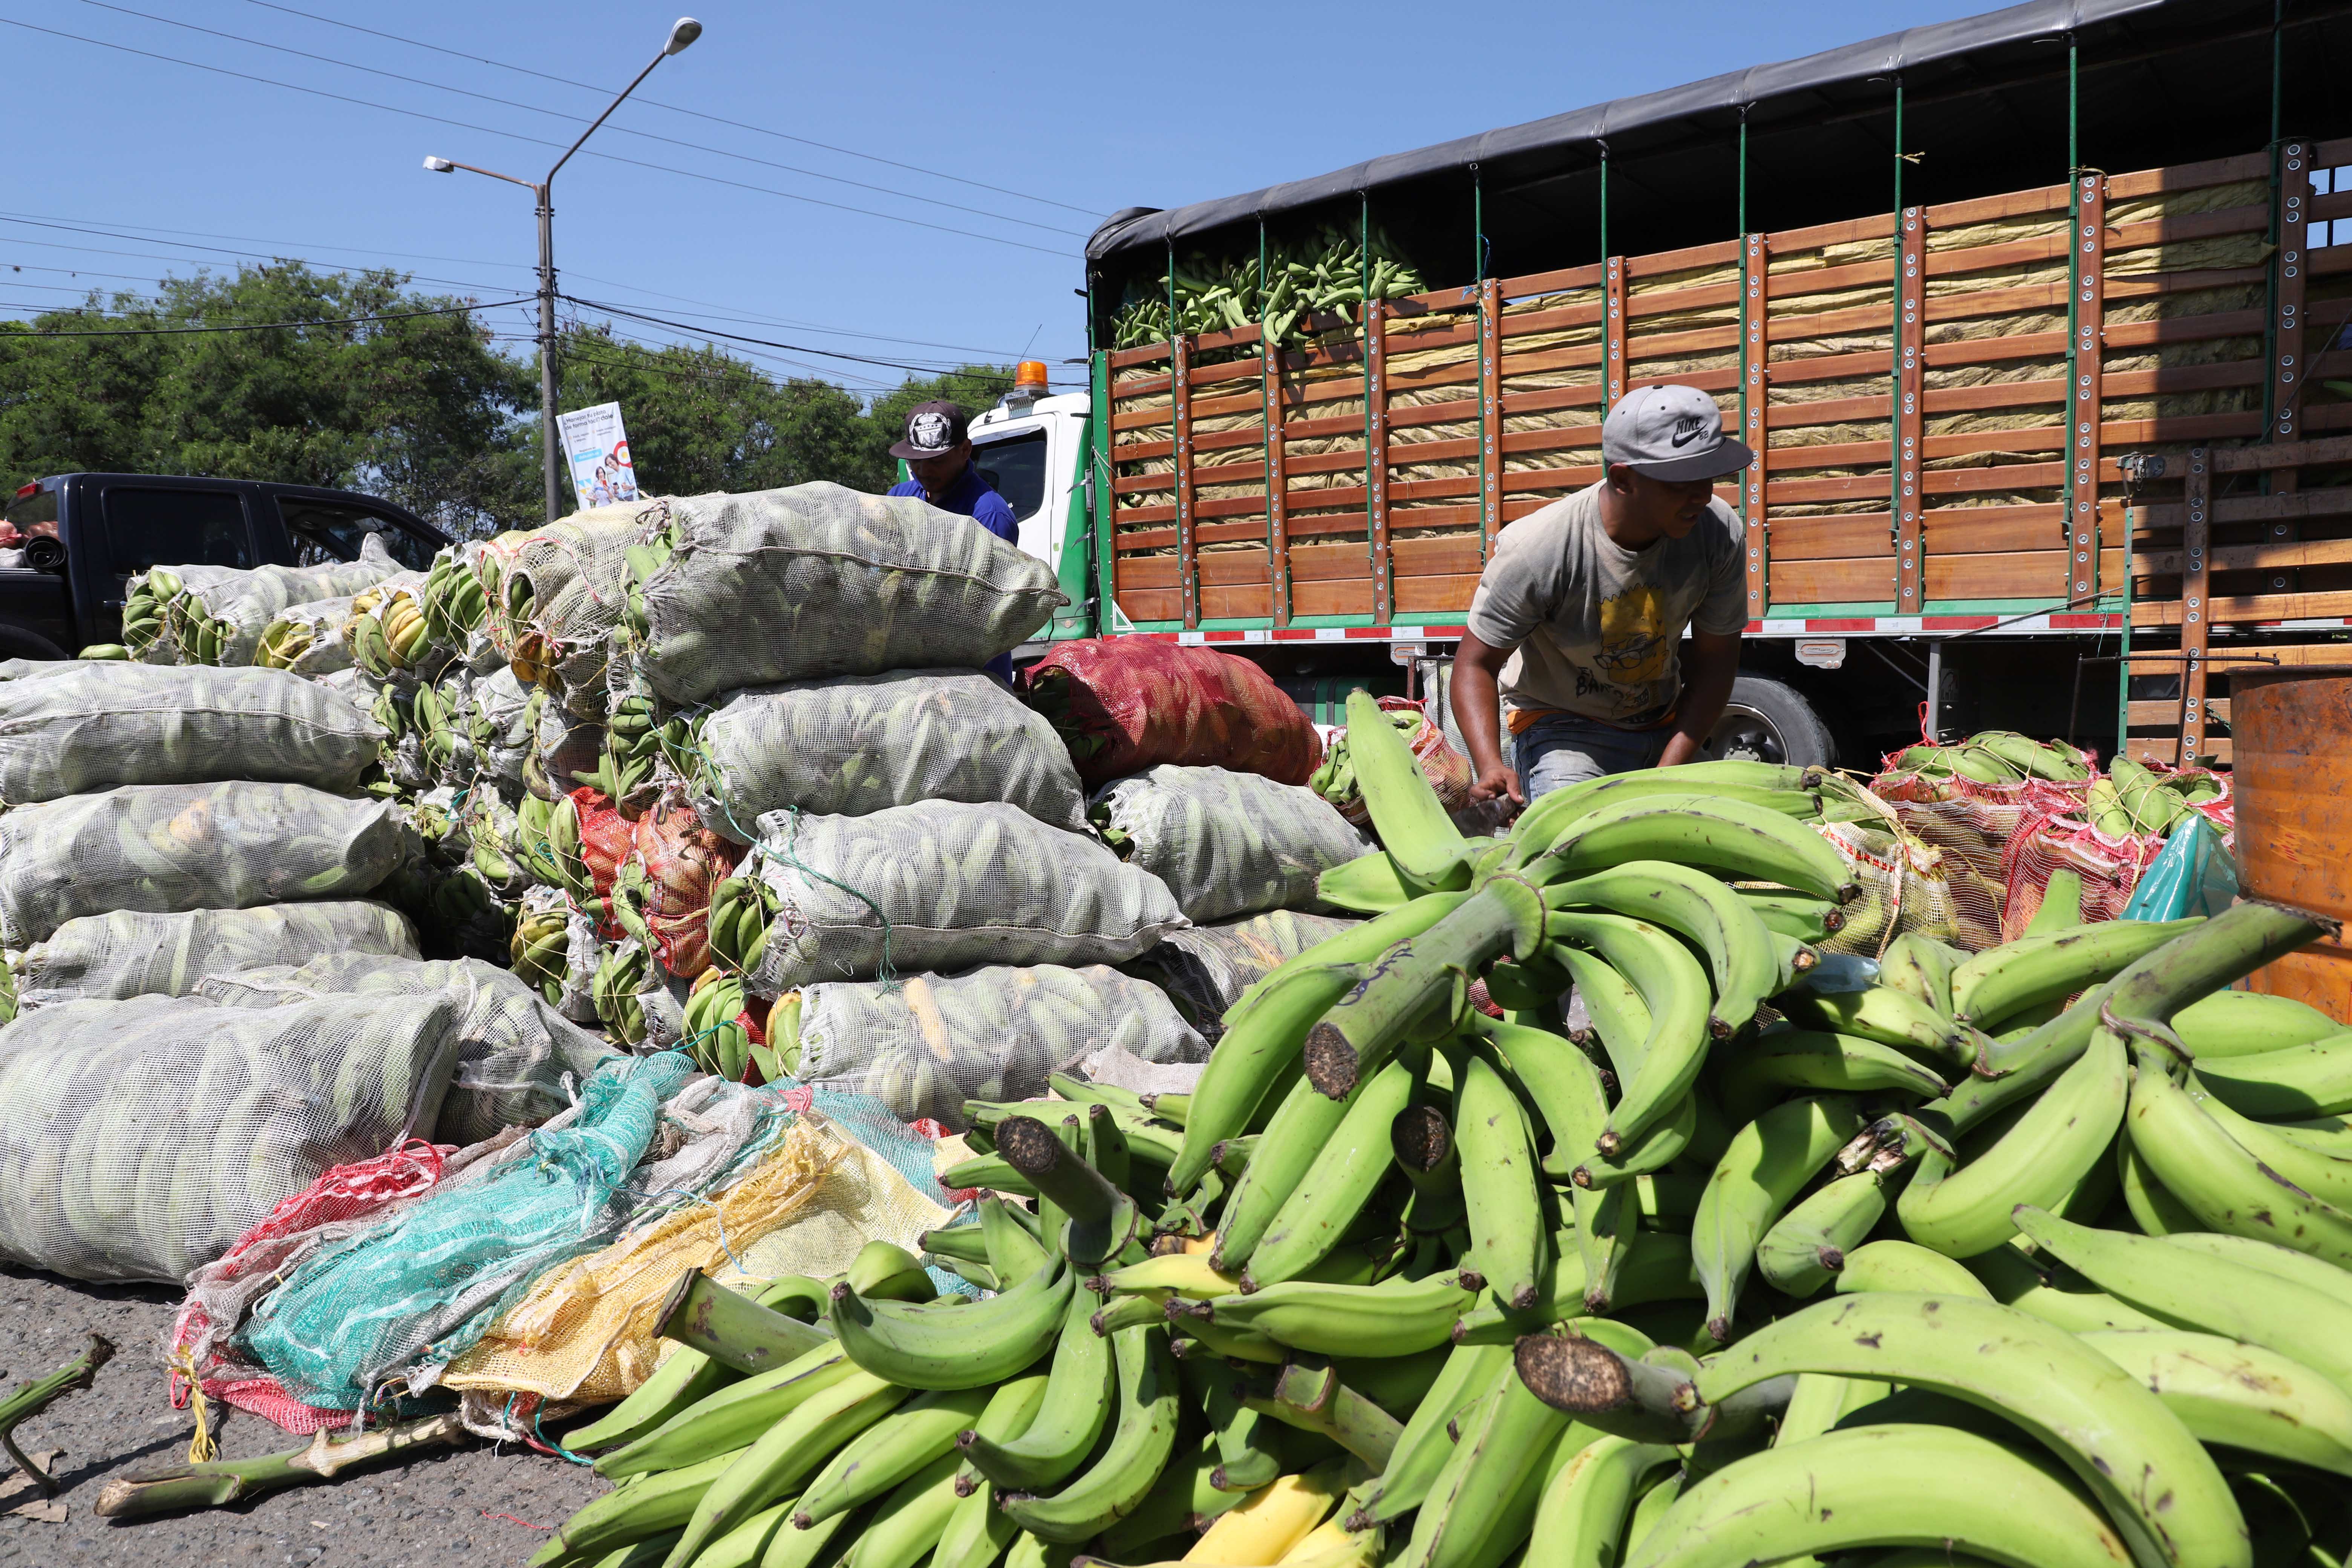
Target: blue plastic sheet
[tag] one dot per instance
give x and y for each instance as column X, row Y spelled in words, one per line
column 2192, row 875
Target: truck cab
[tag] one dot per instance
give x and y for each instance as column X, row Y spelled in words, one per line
column 80, row 537
column 1035, row 450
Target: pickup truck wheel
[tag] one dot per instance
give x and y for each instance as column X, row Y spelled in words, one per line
column 1767, row 722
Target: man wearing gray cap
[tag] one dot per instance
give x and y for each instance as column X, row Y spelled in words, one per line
column 1579, row 618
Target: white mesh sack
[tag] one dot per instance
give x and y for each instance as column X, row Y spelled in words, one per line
column 566, row 752
column 817, row 579
column 561, row 589
column 166, row 848
column 928, row 1043
column 943, row 885
column 126, row 952
column 1205, row 969
column 314, row 634
column 514, row 1050
column 92, row 727
column 502, row 729
column 139, row 1138
column 233, row 609
column 1226, row 843
column 43, row 668
column 864, row 743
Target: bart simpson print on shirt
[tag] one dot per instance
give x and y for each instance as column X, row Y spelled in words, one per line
column 1634, row 646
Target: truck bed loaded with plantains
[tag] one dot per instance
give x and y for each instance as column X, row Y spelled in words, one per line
column 2040, row 1256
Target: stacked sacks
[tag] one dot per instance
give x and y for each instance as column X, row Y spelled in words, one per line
column 1399, row 1283
column 221, row 620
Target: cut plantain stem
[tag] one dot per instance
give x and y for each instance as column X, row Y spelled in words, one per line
column 40, row 1393
column 218, row 1482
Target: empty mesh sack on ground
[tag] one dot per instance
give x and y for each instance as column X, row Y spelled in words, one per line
column 864, row 743
column 127, row 953
column 1226, row 843
column 945, row 886
column 139, row 1138
column 928, row 1043
column 817, row 579
column 1205, row 969
column 514, row 1049
column 166, row 848
column 92, row 727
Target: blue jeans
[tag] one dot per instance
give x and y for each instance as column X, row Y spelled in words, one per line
column 1565, row 749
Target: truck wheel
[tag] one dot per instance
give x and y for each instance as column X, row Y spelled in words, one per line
column 1767, row 722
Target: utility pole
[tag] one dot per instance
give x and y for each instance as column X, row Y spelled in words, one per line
column 682, row 32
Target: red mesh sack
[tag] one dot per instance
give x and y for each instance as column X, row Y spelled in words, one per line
column 1125, row 704
column 200, row 1357
column 2110, row 867
column 605, row 837
column 674, row 863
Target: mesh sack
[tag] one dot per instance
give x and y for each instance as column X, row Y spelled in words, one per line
column 503, row 729
column 139, row 1138
column 867, row 742
column 567, row 753
column 1909, row 885
column 1447, row 770
column 1205, row 969
column 90, row 729
column 584, row 1332
column 927, row 1044
column 1226, row 843
column 45, row 668
column 563, row 587
column 661, row 893
column 1972, row 821
column 1125, row 704
column 816, row 580
column 341, row 1202
column 225, row 617
column 945, row 886
column 2110, row 868
column 514, row 1050
column 160, row 643
column 169, row 848
column 398, row 1302
column 307, row 638
column 881, row 1188
column 130, row 953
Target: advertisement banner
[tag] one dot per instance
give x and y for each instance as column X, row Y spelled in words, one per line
column 598, row 449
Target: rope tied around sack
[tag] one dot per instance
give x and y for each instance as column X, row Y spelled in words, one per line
column 201, row 1449
column 884, row 971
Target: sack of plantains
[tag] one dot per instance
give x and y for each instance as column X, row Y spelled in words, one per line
column 1951, row 1262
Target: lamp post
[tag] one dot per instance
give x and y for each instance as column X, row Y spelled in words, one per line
column 682, row 32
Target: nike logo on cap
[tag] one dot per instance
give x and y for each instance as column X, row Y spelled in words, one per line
column 1686, row 429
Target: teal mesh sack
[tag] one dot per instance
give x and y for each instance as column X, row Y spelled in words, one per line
column 425, row 1285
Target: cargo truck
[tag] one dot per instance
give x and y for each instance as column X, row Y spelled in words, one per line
column 2038, row 319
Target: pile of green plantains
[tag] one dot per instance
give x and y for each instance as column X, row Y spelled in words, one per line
column 1797, row 1259
column 1324, row 276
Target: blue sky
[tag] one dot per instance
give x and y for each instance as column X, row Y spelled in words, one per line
column 919, row 108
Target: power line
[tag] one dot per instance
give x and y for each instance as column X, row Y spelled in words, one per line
column 574, row 119
column 675, row 109
column 536, row 141
column 763, row 343
column 241, row 327
column 40, row 220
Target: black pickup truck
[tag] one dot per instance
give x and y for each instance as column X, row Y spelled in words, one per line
column 80, row 537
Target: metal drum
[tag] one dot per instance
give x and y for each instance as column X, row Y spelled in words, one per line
column 2291, row 732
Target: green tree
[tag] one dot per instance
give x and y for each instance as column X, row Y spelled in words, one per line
column 419, row 410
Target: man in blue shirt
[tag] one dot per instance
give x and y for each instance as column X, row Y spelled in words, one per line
column 937, row 451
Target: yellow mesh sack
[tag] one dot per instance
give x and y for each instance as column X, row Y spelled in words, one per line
column 585, row 1332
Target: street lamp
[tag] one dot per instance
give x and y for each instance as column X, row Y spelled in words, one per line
column 682, row 32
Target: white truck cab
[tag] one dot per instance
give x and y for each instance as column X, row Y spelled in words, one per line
column 1032, row 449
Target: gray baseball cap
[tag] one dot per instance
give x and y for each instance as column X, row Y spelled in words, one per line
column 1671, row 433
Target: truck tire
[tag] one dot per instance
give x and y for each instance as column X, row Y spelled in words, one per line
column 1768, row 722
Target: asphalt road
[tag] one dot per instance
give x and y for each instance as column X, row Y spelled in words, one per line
column 455, row 1507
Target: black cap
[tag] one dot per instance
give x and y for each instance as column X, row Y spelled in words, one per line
column 933, row 430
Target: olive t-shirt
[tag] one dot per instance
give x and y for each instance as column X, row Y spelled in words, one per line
column 1597, row 626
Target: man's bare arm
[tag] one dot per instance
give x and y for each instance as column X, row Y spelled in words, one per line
column 1713, row 665
column 1478, row 709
